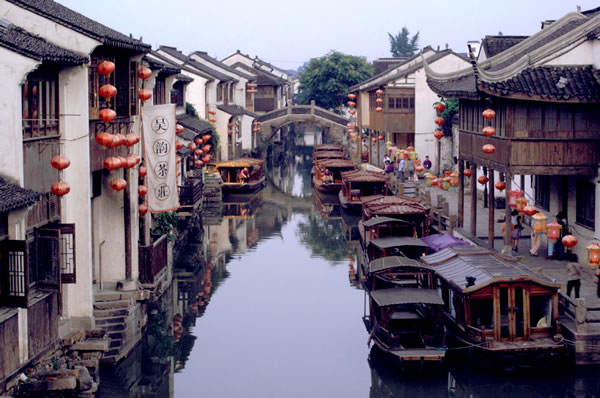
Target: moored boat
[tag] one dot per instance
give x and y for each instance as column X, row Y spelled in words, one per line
column 357, row 185
column 327, row 176
column 232, row 173
column 504, row 313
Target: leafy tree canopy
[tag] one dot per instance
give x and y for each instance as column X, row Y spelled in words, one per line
column 403, row 46
column 326, row 79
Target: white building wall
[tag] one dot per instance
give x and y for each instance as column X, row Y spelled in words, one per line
column 246, row 132
column 583, row 54
column 195, row 93
column 221, row 128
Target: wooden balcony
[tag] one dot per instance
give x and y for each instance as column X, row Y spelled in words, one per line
column 153, row 259
column 190, row 194
column 98, row 153
column 44, row 211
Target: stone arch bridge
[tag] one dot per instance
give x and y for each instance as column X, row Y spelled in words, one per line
column 334, row 126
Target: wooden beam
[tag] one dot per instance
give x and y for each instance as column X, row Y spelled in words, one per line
column 461, row 193
column 473, row 199
column 507, row 232
column 491, row 206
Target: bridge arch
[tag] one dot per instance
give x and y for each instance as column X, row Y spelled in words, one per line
column 333, row 125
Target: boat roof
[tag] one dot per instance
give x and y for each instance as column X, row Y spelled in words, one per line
column 394, row 241
column 242, row 162
column 405, row 295
column 364, row 176
column 328, row 154
column 335, row 163
column 456, row 263
column 382, row 220
column 381, row 205
column 328, row 147
column 389, row 262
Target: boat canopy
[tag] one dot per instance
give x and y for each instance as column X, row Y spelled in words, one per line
column 243, row 162
column 329, row 155
column 406, row 295
column 328, row 147
column 395, row 241
column 389, row 262
column 364, row 176
column 482, row 267
column 383, row 205
column 383, row 220
column 336, row 163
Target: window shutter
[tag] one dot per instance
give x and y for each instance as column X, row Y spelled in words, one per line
column 47, row 256
column 67, row 253
column 14, row 271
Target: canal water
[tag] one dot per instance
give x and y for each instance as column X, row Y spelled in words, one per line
column 264, row 303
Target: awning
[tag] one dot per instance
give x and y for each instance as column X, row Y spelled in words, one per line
column 385, row 243
column 406, row 295
column 390, row 262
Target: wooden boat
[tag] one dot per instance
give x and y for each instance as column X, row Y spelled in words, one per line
column 506, row 314
column 332, row 183
column 230, row 174
column 393, row 216
column 328, row 155
column 359, row 184
column 394, row 246
column 404, row 322
column 327, row 148
column 397, row 271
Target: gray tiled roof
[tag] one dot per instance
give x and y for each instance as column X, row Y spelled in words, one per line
column 65, row 16
column 164, row 59
column 262, row 77
column 14, row 197
column 494, row 45
column 464, row 86
column 221, row 65
column 24, row 43
column 160, row 66
column 184, row 78
column 235, row 110
column 193, row 123
column 174, row 52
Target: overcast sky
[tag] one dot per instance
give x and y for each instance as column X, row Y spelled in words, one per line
column 287, row 34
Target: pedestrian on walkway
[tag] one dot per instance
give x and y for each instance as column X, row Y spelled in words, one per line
column 411, row 170
column 516, row 234
column 427, row 163
column 401, row 170
column 536, row 239
column 559, row 248
column 573, row 279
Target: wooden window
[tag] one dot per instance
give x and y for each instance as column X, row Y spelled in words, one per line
column 411, row 103
column 405, row 103
column 220, row 89
column 159, row 93
column 133, row 87
column 97, row 183
column 177, row 94
column 482, row 313
column 585, row 203
column 52, row 256
column 39, row 96
column 231, row 91
column 542, row 192
column 565, row 115
column 550, row 118
column 14, row 272
column 540, row 311
column 535, row 118
column 580, row 119
column 520, row 118
column 265, row 91
column 391, row 102
column 95, row 81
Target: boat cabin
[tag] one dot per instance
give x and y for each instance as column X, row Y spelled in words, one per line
column 497, row 305
column 398, row 271
column 328, row 147
column 395, row 246
column 321, row 155
column 358, row 184
column 232, row 174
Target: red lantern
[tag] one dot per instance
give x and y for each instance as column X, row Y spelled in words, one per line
column 60, row 188
column 178, row 173
column 107, row 91
column 352, row 111
column 569, row 241
column 529, row 210
column 206, row 137
column 379, row 92
column 142, row 171
column 60, row 162
column 489, row 149
column 131, row 139
column 178, row 129
column 177, row 159
column 104, row 139
column 512, row 197
column 198, row 163
column 419, row 169
column 142, row 190
column 351, row 96
column 381, row 138
column 143, row 209
column 467, row 172
column 229, row 132
column 106, row 68
column 179, row 144
column 438, row 134
column 410, row 148
column 206, row 148
column 112, row 163
column 144, row 73
column 521, row 203
column 122, row 160
column 379, row 109
column 198, row 152
column 482, row 180
column 107, row 115
column 439, row 120
column 553, row 230
column 212, row 119
column 206, row 158
column 379, row 101
column 117, row 139
column 489, row 131
column 144, row 94
column 192, row 146
column 440, row 107
column 488, row 114
column 198, row 141
column 500, row 185
column 130, row 161
column 118, row 184
column 351, row 104
column 592, row 254
column 374, row 139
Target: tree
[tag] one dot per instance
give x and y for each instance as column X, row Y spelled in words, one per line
column 326, row 79
column 401, row 46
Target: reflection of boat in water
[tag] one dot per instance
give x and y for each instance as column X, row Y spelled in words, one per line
column 327, row 174
column 357, row 185
column 242, row 205
column 231, row 172
column 327, row 205
column 505, row 313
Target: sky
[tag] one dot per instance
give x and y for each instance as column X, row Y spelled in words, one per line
column 288, row 34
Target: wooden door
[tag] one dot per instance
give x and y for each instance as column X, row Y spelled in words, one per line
column 511, row 312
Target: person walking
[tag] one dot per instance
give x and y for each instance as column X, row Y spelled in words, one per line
column 516, row 234
column 411, row 170
column 427, row 163
column 536, row 239
column 573, row 279
column 401, row 170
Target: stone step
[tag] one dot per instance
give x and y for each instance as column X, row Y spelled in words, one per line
column 91, row 345
column 110, row 313
column 112, row 305
column 117, row 335
column 112, row 296
column 109, row 320
column 114, row 327
column 115, row 344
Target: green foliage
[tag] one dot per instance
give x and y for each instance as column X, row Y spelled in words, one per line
column 190, row 109
column 164, row 223
column 326, row 79
column 402, row 46
column 325, row 238
column 448, row 113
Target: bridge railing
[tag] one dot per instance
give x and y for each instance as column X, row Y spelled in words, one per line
column 304, row 110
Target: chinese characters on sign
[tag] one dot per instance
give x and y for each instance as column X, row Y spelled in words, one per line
column 158, row 127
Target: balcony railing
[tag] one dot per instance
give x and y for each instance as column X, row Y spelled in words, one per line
column 152, row 258
column 190, row 194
